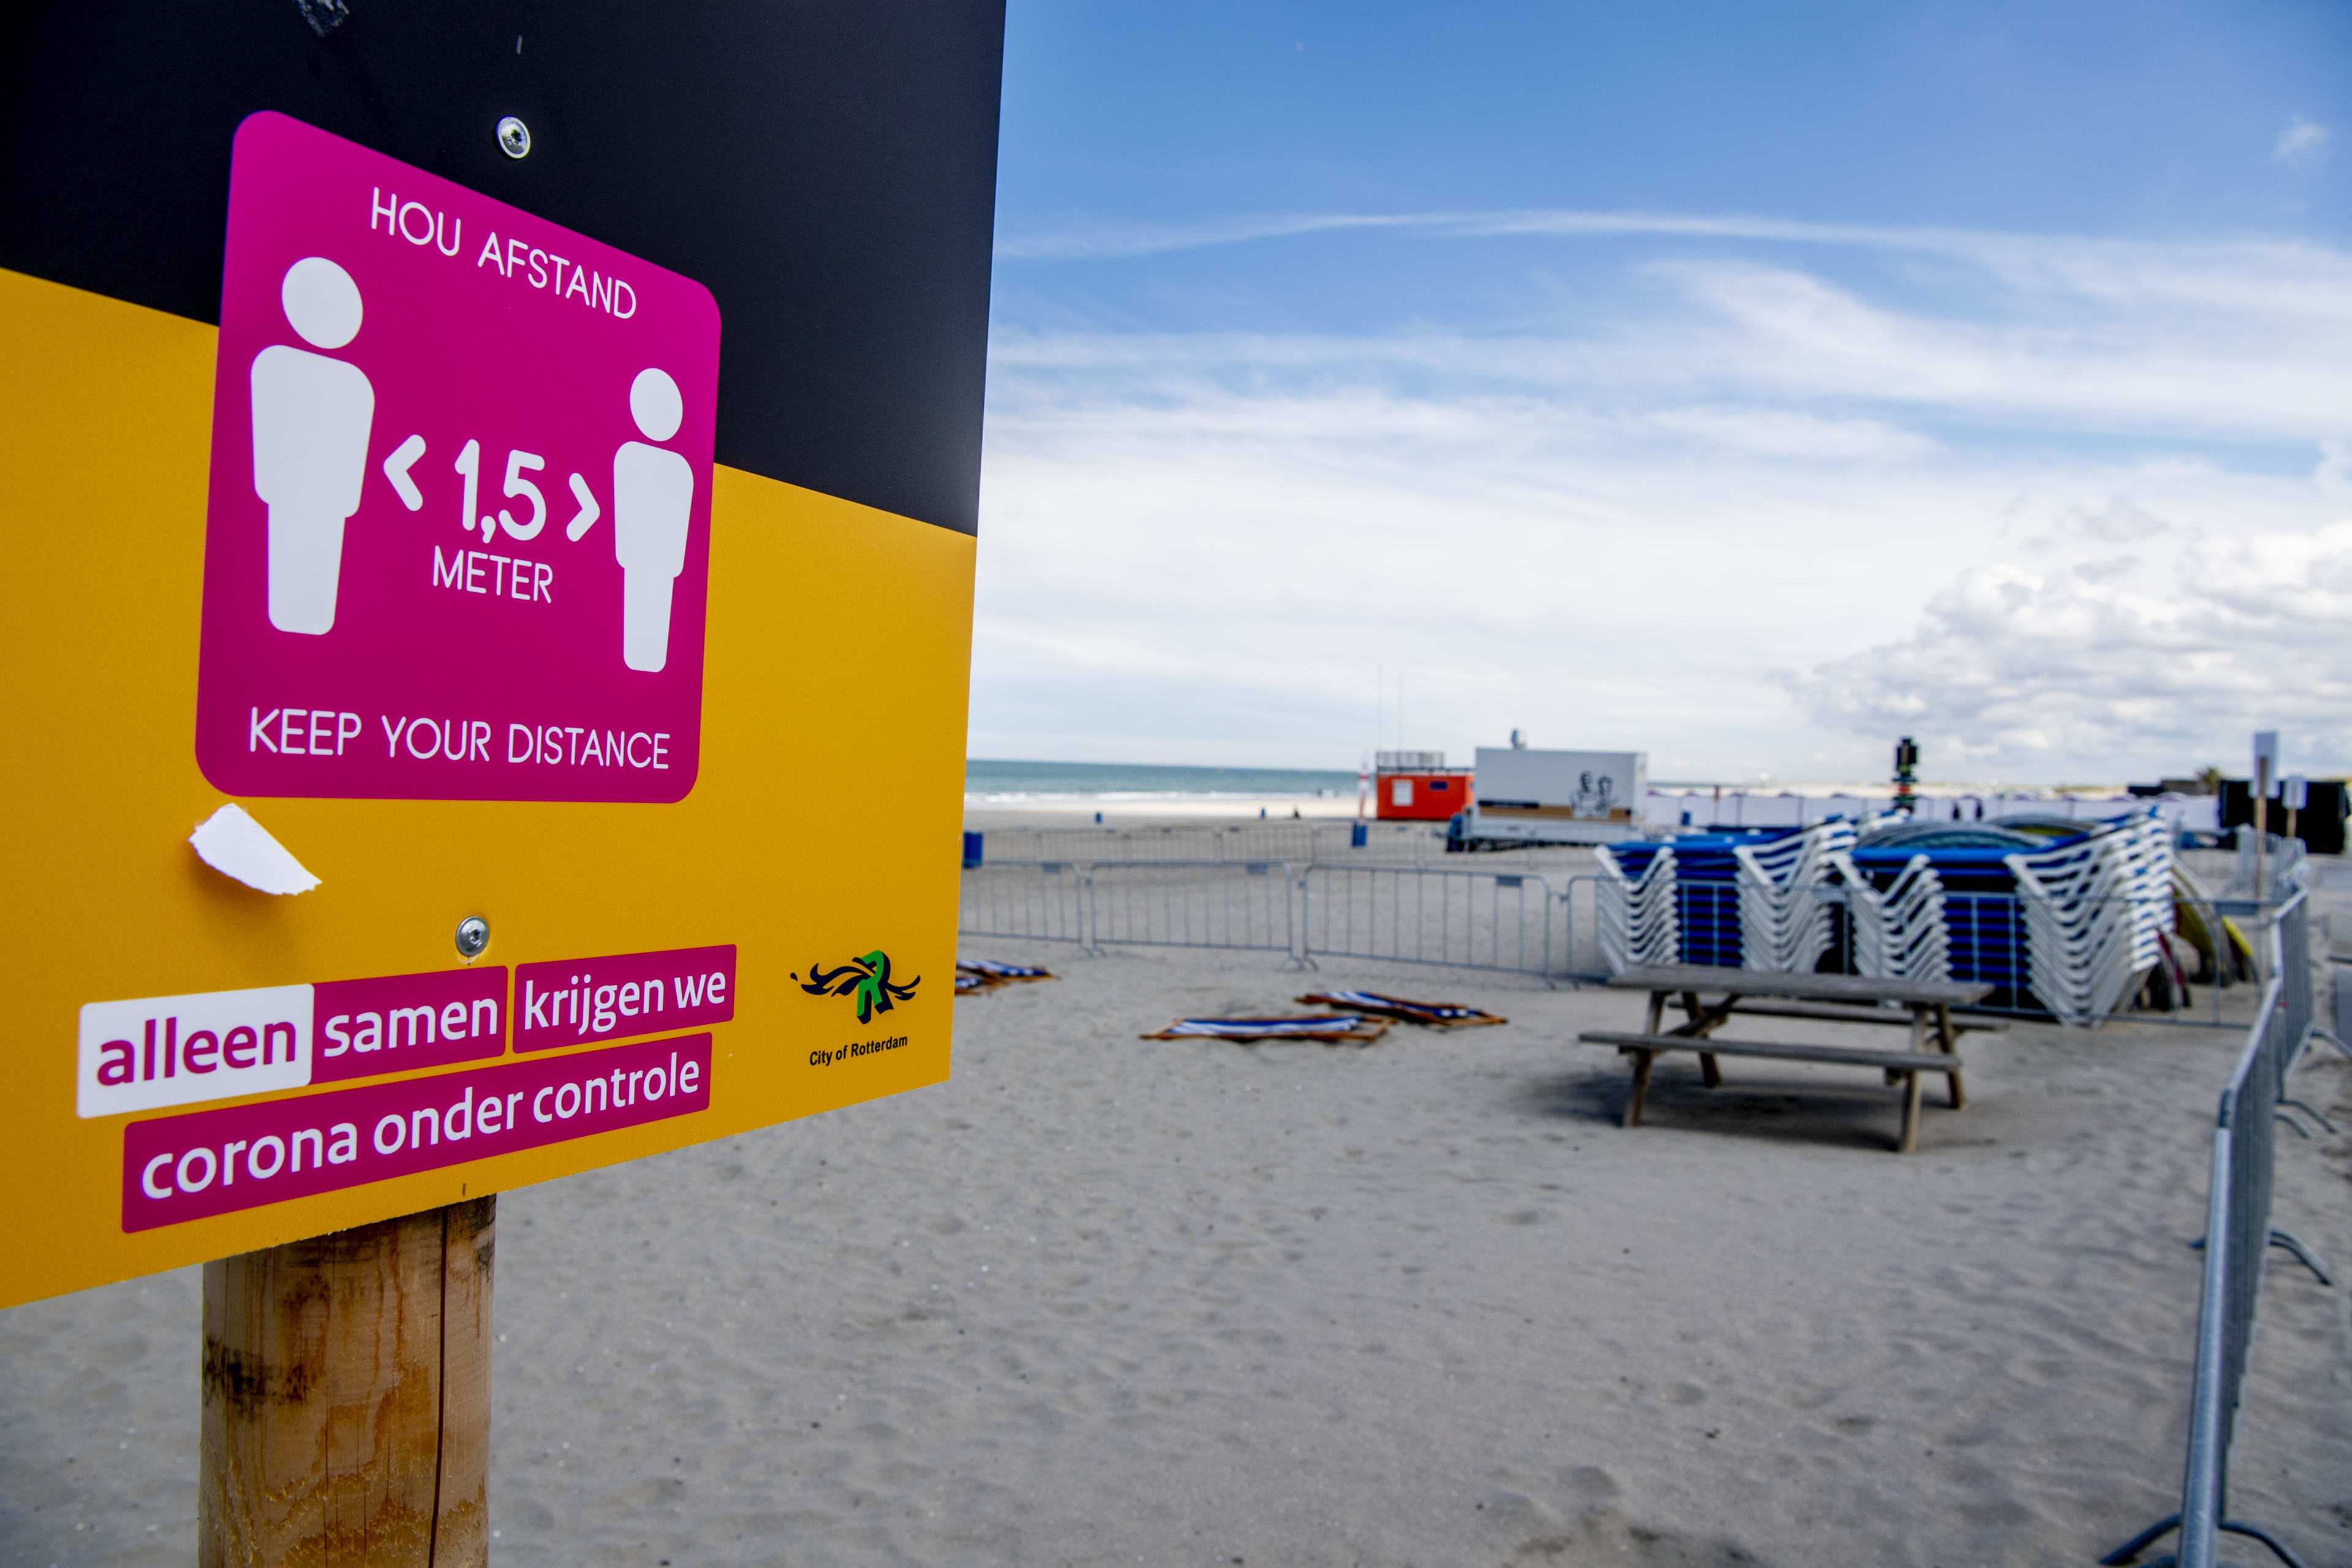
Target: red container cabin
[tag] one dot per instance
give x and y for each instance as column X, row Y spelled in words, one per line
column 1417, row 787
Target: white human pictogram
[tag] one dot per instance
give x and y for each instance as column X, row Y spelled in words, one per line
column 311, row 416
column 653, row 493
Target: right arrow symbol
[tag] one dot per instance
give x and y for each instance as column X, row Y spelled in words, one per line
column 588, row 510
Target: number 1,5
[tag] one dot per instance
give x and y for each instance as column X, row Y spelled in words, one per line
column 519, row 464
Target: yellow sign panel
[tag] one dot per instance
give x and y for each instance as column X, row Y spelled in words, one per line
column 805, row 872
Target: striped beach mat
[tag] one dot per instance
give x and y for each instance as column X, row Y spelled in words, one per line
column 1437, row 1014
column 1318, row 1026
column 991, row 971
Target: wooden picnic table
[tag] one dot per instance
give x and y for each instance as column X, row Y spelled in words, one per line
column 1924, row 1006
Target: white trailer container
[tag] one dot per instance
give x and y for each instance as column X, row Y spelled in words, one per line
column 1527, row 796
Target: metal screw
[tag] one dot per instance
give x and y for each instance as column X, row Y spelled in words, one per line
column 473, row 935
column 514, row 137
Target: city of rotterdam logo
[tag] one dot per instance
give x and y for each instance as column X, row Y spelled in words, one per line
column 866, row 978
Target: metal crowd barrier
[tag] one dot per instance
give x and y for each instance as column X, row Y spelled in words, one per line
column 2238, row 1239
column 1458, row 919
column 1519, row 921
column 1162, row 903
column 1297, row 842
column 1038, row 901
column 1258, row 842
column 1165, row 904
column 1493, row 920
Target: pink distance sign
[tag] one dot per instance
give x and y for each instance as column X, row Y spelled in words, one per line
column 456, row 544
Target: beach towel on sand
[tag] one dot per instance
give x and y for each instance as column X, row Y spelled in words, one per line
column 967, row 984
column 1319, row 1026
column 992, row 970
column 1437, row 1014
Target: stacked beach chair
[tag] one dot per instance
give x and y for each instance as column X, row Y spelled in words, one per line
column 1898, row 933
column 2073, row 926
column 1638, row 918
column 2095, row 912
column 1983, row 939
column 1785, row 925
column 2070, row 926
column 1707, row 895
column 1727, row 900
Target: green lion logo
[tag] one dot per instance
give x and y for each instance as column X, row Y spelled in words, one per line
column 866, row 978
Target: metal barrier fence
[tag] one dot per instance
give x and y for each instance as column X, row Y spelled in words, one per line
column 2292, row 963
column 2238, row 1239
column 1190, row 904
column 1302, row 843
column 1165, row 904
column 1041, row 902
column 1459, row 919
column 1508, row 918
column 1299, row 843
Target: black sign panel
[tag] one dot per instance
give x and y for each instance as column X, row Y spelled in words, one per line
column 826, row 170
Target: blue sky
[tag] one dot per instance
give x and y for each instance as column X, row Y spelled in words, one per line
column 1744, row 386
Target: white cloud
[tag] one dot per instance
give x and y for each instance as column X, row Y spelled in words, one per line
column 2280, row 276
column 2245, row 343
column 2117, row 523
column 1775, row 433
column 1096, row 242
column 2076, row 516
column 2168, row 663
column 2300, row 144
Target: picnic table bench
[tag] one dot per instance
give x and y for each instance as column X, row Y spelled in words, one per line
column 1924, row 1006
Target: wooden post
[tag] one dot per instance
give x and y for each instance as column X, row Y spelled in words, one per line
column 1950, row 1040
column 2261, row 821
column 1694, row 1010
column 1642, row 1060
column 347, row 1398
column 1909, row 1140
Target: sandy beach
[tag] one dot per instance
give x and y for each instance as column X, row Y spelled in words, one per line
column 1102, row 1300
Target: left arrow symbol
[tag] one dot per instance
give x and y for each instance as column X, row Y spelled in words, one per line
column 395, row 468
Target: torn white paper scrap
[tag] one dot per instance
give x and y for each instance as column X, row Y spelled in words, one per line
column 236, row 846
